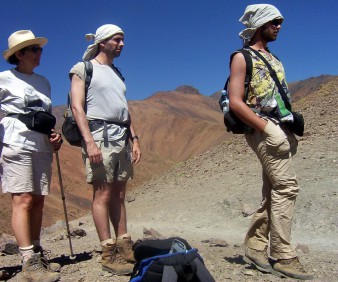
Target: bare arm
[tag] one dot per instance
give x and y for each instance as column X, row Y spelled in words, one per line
column 236, row 90
column 77, row 91
column 136, row 146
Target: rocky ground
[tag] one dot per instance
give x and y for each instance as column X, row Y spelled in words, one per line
column 209, row 200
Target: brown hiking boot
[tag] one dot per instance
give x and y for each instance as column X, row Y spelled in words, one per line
column 44, row 257
column 124, row 247
column 35, row 270
column 113, row 262
column 292, row 268
column 258, row 259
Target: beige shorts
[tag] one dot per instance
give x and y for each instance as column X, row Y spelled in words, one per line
column 116, row 165
column 25, row 171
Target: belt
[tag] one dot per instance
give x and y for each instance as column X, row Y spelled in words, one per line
column 98, row 123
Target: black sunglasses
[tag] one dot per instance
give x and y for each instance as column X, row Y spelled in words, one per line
column 276, row 22
column 34, row 49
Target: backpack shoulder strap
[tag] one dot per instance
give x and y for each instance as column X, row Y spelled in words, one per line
column 248, row 64
column 118, row 72
column 89, row 74
column 247, row 58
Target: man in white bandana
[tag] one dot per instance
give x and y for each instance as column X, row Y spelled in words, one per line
column 264, row 112
column 104, row 121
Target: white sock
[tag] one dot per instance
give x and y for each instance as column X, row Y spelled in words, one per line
column 26, row 252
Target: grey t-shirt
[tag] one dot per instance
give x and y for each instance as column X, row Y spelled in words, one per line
column 106, row 99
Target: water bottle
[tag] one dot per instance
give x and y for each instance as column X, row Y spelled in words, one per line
column 224, row 101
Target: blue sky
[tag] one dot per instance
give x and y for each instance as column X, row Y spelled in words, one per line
column 169, row 43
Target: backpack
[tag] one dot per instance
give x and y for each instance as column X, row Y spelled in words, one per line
column 69, row 127
column 231, row 121
column 168, row 260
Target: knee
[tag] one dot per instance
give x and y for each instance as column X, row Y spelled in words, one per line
column 22, row 202
column 289, row 189
column 101, row 200
column 119, row 191
column 118, row 198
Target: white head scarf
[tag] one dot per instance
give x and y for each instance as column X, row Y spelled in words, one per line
column 256, row 16
column 102, row 33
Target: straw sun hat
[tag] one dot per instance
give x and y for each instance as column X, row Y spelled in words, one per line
column 21, row 39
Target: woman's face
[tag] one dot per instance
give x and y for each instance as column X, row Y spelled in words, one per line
column 30, row 56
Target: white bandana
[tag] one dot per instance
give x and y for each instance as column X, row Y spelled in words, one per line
column 102, row 33
column 254, row 17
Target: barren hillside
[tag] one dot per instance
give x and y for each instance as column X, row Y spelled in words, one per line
column 209, row 199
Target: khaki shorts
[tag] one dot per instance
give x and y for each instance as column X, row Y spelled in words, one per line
column 116, row 165
column 25, row 171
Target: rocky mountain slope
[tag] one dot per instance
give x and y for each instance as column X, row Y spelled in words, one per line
column 209, row 199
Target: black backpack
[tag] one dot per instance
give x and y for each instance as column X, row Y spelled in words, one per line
column 158, row 261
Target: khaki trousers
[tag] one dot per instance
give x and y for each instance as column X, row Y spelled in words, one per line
column 272, row 221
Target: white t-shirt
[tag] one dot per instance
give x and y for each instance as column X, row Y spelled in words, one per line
column 20, row 93
column 106, row 99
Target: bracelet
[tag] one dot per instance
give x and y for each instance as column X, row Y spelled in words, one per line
column 133, row 138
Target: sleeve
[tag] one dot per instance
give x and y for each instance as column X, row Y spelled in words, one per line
column 2, row 89
column 79, row 70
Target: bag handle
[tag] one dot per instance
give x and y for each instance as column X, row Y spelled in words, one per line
column 275, row 78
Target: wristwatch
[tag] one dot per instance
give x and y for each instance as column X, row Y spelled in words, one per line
column 133, row 138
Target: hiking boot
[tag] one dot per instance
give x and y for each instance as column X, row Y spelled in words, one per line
column 112, row 261
column 258, row 259
column 34, row 270
column 124, row 247
column 292, row 268
column 44, row 257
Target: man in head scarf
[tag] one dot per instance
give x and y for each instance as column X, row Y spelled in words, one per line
column 103, row 119
column 268, row 118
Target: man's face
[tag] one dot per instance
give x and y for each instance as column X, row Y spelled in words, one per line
column 270, row 30
column 114, row 45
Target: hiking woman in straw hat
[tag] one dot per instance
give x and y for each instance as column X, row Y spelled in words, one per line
column 26, row 151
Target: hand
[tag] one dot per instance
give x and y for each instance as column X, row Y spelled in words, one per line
column 94, row 153
column 136, row 153
column 276, row 139
column 56, row 140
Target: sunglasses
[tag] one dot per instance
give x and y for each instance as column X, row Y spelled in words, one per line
column 276, row 22
column 34, row 49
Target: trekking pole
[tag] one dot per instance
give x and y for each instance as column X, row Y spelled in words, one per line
column 64, row 204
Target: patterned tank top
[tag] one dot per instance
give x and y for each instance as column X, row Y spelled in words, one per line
column 263, row 95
